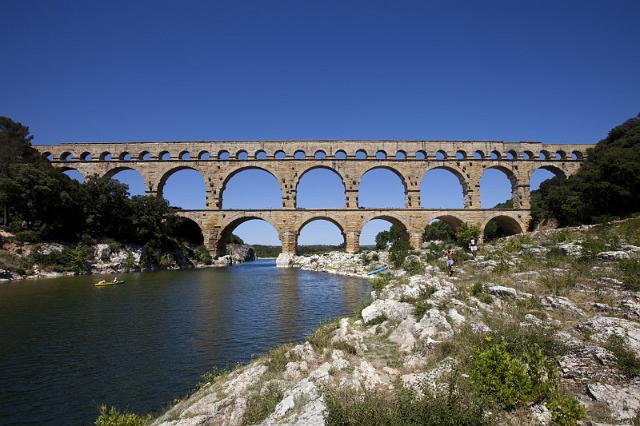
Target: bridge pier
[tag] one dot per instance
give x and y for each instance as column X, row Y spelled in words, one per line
column 352, row 241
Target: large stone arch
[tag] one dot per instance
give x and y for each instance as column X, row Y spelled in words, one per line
column 453, row 221
column 334, row 221
column 230, row 174
column 397, row 172
column 458, row 173
column 227, row 227
column 166, row 174
column 321, row 167
column 514, row 180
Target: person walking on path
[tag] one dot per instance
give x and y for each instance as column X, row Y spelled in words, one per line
column 473, row 246
column 450, row 261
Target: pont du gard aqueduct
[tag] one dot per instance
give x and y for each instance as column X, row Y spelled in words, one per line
column 288, row 161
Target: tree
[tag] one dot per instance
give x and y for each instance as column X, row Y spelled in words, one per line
column 438, row 230
column 605, row 186
column 385, row 239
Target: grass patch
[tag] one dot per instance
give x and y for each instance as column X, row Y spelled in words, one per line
column 110, row 416
column 262, row 403
column 559, row 284
column 630, row 273
column 479, row 291
column 422, row 302
column 626, row 359
column 380, row 281
column 277, row 358
column 321, row 338
column 402, row 407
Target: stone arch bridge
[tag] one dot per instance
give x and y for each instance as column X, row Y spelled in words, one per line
column 288, row 161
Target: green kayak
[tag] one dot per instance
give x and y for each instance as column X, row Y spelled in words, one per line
column 104, row 283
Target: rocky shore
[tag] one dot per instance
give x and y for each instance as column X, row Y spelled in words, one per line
column 560, row 308
column 49, row 260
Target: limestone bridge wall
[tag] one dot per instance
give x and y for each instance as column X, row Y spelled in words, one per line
column 288, row 161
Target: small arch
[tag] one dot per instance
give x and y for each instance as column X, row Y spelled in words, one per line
column 361, row 154
column 106, row 156
column 511, row 155
column 320, row 231
column 543, row 173
column 544, row 155
column 242, row 155
column 185, row 155
column 461, row 155
column 441, row 155
column 320, row 155
column 260, row 155
column 501, row 226
column 421, row 155
column 478, row 155
column 86, row 156
column 560, row 155
column 340, row 155
column 47, row 156
column 280, row 155
column 442, row 228
column 125, row 156
column 527, row 155
column 454, row 222
column 576, row 155
column 223, row 155
column 299, row 155
column 204, row 155
column 145, row 156
column 495, row 155
column 381, row 155
column 401, row 155
column 66, row 156
column 164, row 156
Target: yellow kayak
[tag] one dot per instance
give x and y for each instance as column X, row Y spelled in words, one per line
column 106, row 283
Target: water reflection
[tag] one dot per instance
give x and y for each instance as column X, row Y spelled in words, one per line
column 67, row 346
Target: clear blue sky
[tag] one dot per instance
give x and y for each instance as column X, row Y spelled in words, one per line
column 557, row 72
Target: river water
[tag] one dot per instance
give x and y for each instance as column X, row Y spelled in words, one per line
column 66, row 346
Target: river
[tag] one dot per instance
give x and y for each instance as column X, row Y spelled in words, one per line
column 66, row 346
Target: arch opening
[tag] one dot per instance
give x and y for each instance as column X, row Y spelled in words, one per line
column 130, row 177
column 319, row 235
column 47, row 155
column 461, row 155
column 145, row 156
column 185, row 155
column 541, row 174
column 261, row 155
column 361, row 154
column 421, row 155
column 527, row 155
column 280, row 155
column 576, row 155
column 184, row 188
column 204, row 155
column 320, row 155
column 511, row 155
column 442, row 188
column 382, row 187
column 223, row 155
column 441, row 155
column 86, row 156
column 259, row 233
column 106, row 156
column 66, row 156
column 164, row 156
column 299, row 155
column 242, row 155
column 401, row 155
column 125, row 156
column 74, row 174
column 495, row 155
column 187, row 231
column 381, row 232
column 381, row 155
column 251, row 188
column 501, row 226
column 320, row 187
column 478, row 155
column 497, row 186
column 340, row 155
column 442, row 228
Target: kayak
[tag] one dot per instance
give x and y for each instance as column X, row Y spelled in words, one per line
column 377, row 271
column 106, row 283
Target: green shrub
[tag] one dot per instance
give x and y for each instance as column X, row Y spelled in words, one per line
column 112, row 417
column 502, row 267
column 398, row 252
column 28, row 236
column 631, row 273
column 591, row 246
column 202, row 255
column 515, row 243
column 412, row 265
column 630, row 230
column 261, row 403
column 130, row 262
column 479, row 291
column 277, row 358
column 465, row 233
column 559, row 284
column 438, row 230
column 321, row 338
column 626, row 359
column 565, row 411
column 510, row 379
column 380, row 281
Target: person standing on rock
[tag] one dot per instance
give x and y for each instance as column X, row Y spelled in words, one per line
column 473, row 246
column 450, row 261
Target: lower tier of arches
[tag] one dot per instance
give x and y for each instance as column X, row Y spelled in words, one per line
column 218, row 225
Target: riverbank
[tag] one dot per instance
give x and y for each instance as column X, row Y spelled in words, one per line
column 563, row 301
column 22, row 260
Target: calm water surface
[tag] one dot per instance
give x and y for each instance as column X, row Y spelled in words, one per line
column 67, row 347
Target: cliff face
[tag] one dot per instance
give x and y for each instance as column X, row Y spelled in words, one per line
column 236, row 253
column 558, row 312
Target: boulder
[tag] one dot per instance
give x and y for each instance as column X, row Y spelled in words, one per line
column 433, row 326
column 613, row 255
column 241, row 253
column 600, row 328
column 502, row 291
column 622, row 400
column 559, row 302
column 284, row 260
column 389, row 309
